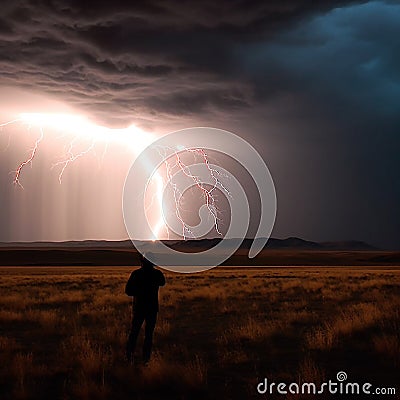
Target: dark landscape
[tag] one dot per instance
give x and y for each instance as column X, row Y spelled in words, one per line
column 63, row 332
column 300, row 311
column 291, row 251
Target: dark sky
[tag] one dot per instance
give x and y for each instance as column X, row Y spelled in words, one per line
column 314, row 86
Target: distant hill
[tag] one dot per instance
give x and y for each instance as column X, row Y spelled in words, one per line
column 291, row 251
column 294, row 243
column 297, row 243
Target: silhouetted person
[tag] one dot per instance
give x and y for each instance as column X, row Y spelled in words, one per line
column 143, row 285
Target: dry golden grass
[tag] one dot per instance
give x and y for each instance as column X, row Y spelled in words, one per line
column 63, row 331
column 355, row 318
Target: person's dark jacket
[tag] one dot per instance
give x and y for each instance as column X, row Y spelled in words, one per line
column 143, row 285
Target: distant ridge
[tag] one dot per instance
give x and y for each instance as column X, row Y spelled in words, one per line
column 278, row 252
column 294, row 243
column 297, row 243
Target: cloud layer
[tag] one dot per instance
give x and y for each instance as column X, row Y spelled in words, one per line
column 143, row 63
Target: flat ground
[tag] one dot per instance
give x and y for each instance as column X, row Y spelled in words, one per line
column 63, row 332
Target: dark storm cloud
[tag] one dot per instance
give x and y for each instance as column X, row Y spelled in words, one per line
column 349, row 57
column 165, row 58
column 331, row 85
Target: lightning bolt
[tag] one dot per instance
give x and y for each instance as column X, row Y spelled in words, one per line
column 82, row 129
column 28, row 160
column 133, row 139
column 207, row 194
column 32, row 152
column 71, row 157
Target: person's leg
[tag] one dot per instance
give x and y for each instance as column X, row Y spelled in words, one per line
column 137, row 322
column 151, row 319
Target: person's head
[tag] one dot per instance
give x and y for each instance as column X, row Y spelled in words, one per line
column 146, row 263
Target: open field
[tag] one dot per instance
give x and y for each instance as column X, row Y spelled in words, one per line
column 219, row 333
column 102, row 256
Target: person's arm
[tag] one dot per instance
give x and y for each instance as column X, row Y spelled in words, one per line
column 162, row 279
column 129, row 288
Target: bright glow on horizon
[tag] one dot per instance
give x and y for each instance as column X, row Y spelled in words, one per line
column 85, row 136
column 81, row 128
column 78, row 125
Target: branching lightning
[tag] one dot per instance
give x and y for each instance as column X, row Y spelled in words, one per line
column 71, row 157
column 207, row 193
column 28, row 160
column 132, row 138
column 82, row 130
